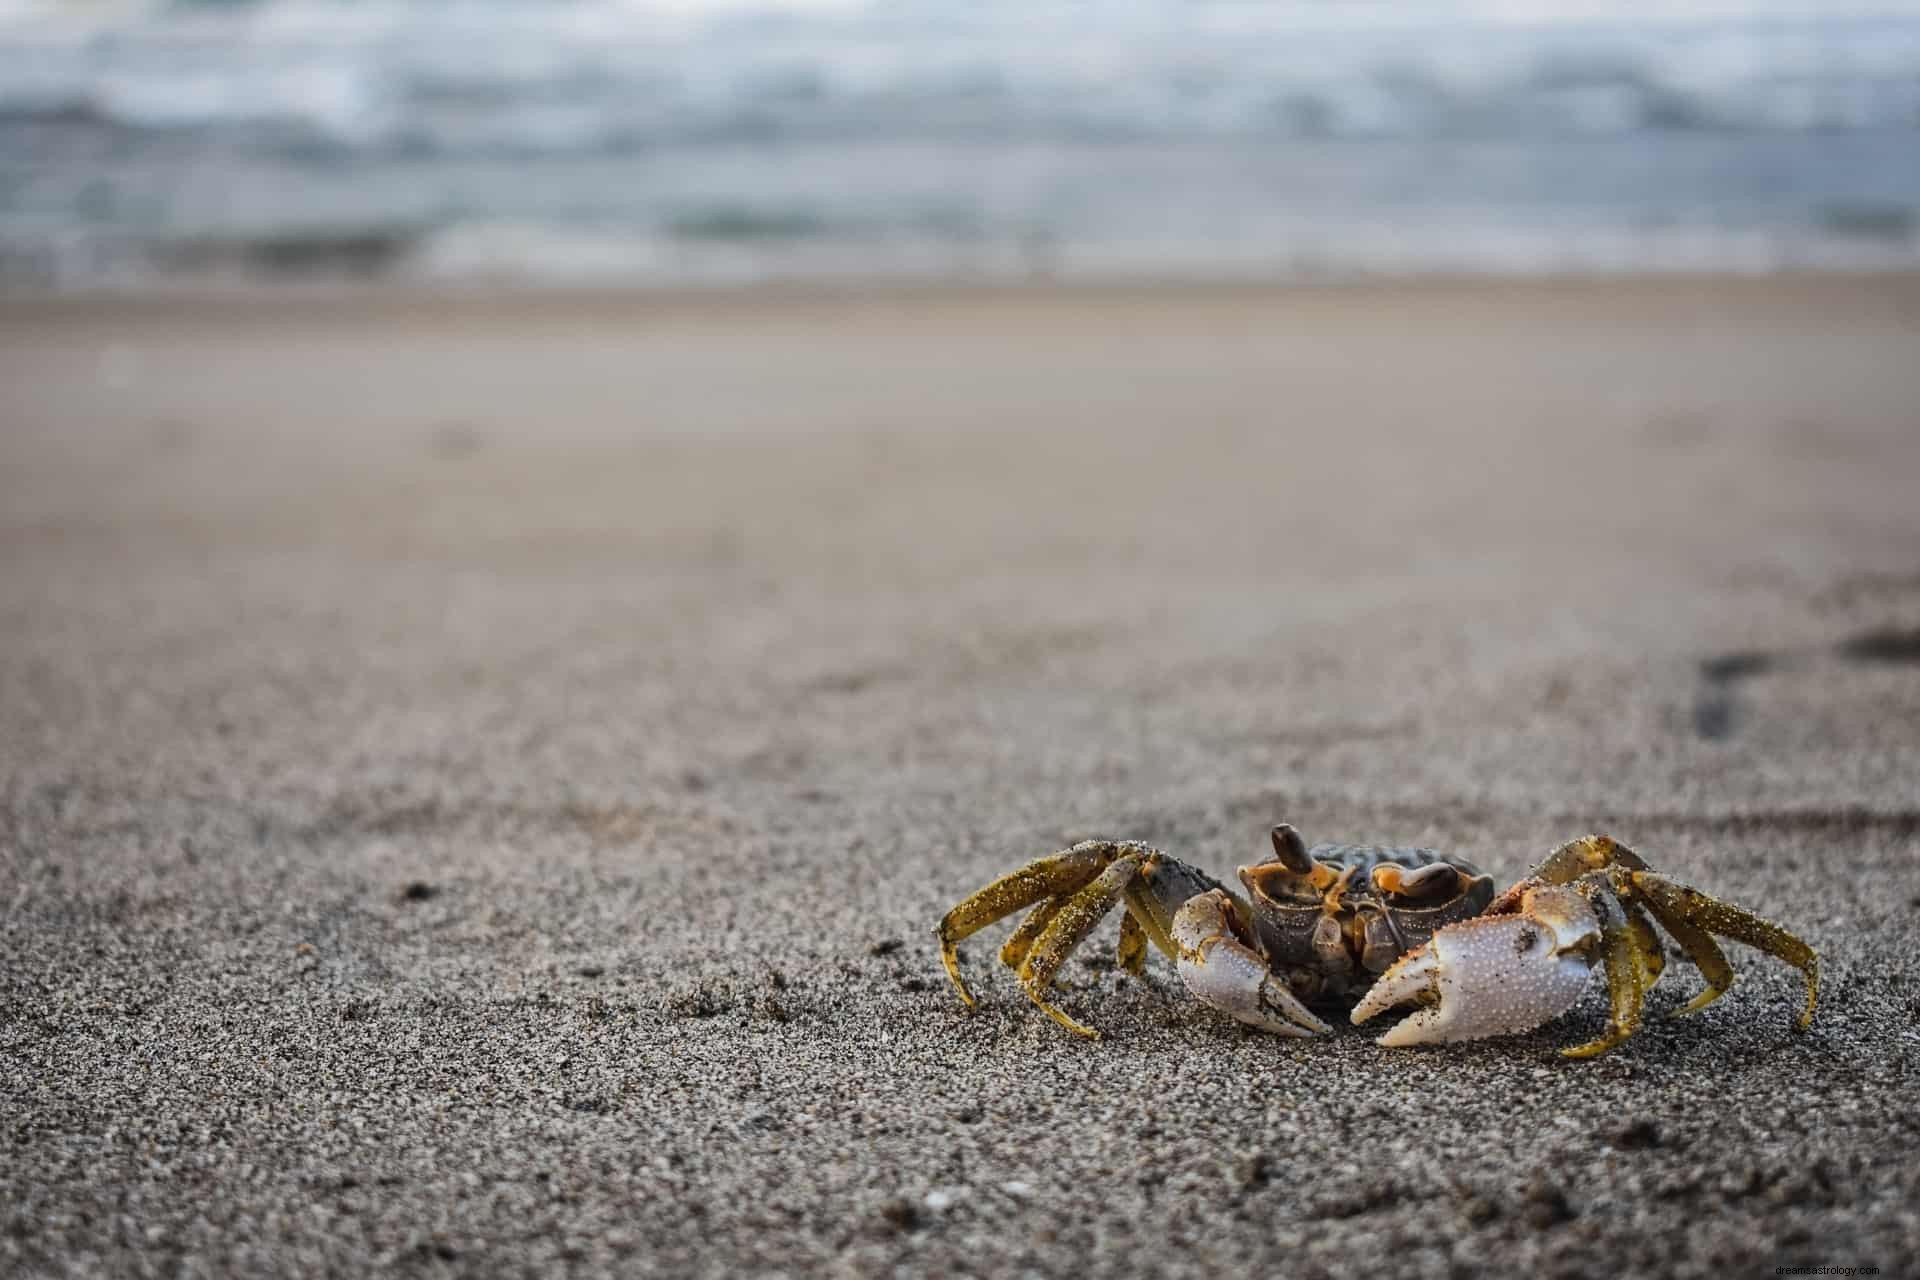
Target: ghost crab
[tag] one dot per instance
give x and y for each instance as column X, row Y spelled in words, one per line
column 1410, row 926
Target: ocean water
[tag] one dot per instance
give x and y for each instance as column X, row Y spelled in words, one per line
column 605, row 141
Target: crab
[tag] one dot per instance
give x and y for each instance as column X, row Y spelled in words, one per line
column 1372, row 929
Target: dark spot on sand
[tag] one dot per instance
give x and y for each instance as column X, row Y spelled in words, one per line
column 358, row 1010
column 1883, row 644
column 704, row 1000
column 1545, row 1205
column 885, row 947
column 851, row 681
column 910, row 982
column 1252, row 1172
column 1363, row 1200
column 591, row 970
column 767, row 1004
column 1728, row 667
column 1713, row 715
column 1715, row 709
column 1479, row 1211
column 971, row 1113
column 899, row 1214
column 456, row 440
column 1638, row 1135
column 418, row 891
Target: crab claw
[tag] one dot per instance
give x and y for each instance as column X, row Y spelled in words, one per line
column 1222, row 969
column 1492, row 975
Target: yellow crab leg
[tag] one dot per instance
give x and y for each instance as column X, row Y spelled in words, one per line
column 1652, row 956
column 1701, row 949
column 1133, row 943
column 1021, row 940
column 1672, row 900
column 1068, row 929
column 1053, row 876
column 1576, row 858
column 1153, row 918
column 1620, row 947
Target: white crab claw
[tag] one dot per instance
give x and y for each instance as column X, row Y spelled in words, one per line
column 1491, row 976
column 1221, row 970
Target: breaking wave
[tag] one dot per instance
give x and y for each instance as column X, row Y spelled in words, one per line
column 300, row 136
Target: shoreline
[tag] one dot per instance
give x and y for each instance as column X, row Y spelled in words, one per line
column 399, row 299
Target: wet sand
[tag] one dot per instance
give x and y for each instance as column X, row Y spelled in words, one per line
column 479, row 774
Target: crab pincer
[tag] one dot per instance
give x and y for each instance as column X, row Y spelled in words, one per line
column 1222, row 967
column 1493, row 975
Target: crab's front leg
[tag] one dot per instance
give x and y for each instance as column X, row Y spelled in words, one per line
column 1495, row 974
column 1223, row 969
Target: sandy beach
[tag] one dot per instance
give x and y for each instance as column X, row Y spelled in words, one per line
column 478, row 773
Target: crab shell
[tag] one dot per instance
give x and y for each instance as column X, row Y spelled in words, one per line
column 1333, row 918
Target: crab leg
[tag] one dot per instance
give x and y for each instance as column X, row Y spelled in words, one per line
column 1576, row 858
column 1493, row 975
column 1067, row 929
column 1221, row 970
column 1057, row 875
column 1652, row 956
column 1624, row 946
column 1132, row 955
column 1014, row 953
column 1702, row 950
column 1154, row 918
column 1670, row 901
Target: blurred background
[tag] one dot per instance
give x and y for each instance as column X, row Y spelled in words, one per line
column 728, row 141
